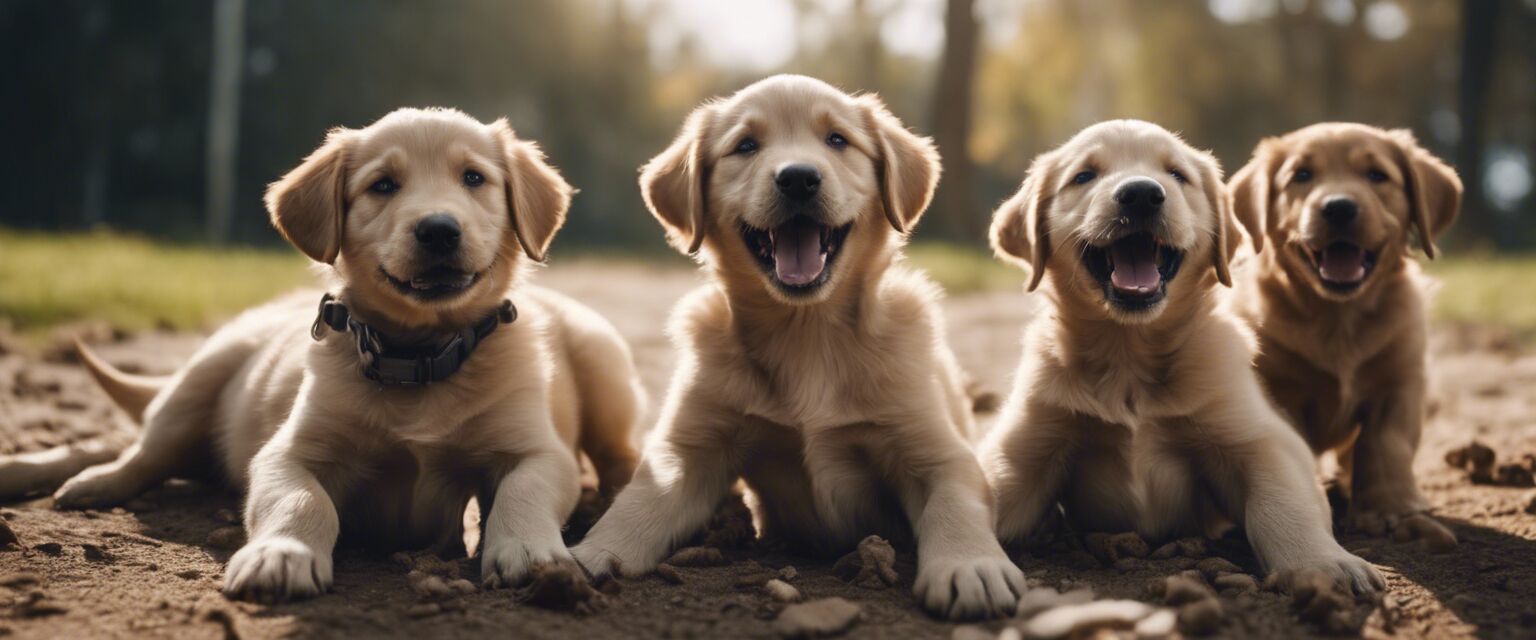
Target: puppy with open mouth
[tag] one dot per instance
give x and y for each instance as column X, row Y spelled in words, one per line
column 1135, row 406
column 1339, row 306
column 430, row 376
column 813, row 365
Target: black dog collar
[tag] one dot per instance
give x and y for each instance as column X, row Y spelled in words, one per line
column 392, row 365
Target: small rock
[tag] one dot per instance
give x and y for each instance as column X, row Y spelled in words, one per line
column 788, row 573
column 1110, row 548
column 817, row 619
column 461, row 586
column 1036, row 600
column 1513, row 475
column 95, row 553
column 1069, row 619
column 669, row 573
column 1160, row 624
column 50, row 548
column 1165, row 552
column 781, row 591
column 874, row 562
column 424, row 610
column 1192, row 547
column 1241, row 582
column 428, row 586
column 228, row 538
column 1475, row 455
column 1201, row 617
column 755, row 580
column 1177, row 590
column 697, row 557
column 1213, row 567
column 7, row 536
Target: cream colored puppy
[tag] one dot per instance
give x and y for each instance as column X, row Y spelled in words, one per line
column 813, row 365
column 426, row 220
column 1136, row 406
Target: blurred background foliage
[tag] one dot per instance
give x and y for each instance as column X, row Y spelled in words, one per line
column 140, row 135
column 110, row 105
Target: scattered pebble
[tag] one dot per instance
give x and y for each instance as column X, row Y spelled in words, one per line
column 789, row 573
column 1036, row 600
column 1319, row 601
column 50, row 548
column 1240, row 582
column 1110, row 548
column 669, row 573
column 228, row 538
column 1212, row 567
column 1180, row 589
column 817, row 619
column 1159, row 624
column 755, row 580
column 872, row 565
column 1075, row 618
column 781, row 590
column 697, row 557
column 7, row 536
column 1201, row 617
column 95, row 553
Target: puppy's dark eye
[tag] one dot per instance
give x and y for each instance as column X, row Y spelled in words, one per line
column 1376, row 175
column 1178, row 175
column 384, row 186
column 473, row 178
column 1084, row 177
column 746, row 146
column 836, row 140
column 1302, row 175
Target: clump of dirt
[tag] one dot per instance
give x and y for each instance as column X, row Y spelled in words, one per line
column 871, row 566
column 561, row 586
column 817, row 619
column 1481, row 463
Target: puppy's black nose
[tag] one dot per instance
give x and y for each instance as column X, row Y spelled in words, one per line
column 1140, row 196
column 1340, row 210
column 438, row 233
column 798, row 182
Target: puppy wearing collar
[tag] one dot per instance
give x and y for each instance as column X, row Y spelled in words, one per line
column 431, row 374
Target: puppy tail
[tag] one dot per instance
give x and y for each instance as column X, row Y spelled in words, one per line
column 132, row 393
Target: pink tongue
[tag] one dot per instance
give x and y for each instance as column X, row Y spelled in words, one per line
column 1342, row 263
column 797, row 255
column 1135, row 267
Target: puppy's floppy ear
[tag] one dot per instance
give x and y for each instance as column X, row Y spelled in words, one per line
column 1251, row 191
column 908, row 166
column 673, row 184
column 1220, row 200
column 1020, row 232
column 1434, row 190
column 308, row 205
column 537, row 197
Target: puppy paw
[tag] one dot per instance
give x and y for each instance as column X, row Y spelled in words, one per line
column 510, row 563
column 601, row 561
column 1343, row 568
column 98, row 487
column 968, row 588
column 275, row 569
column 1404, row 526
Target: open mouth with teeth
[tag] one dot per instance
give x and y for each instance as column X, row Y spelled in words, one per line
column 1342, row 266
column 1134, row 270
column 441, row 282
column 797, row 254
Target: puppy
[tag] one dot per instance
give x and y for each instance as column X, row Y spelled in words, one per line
column 813, row 365
column 1135, row 407
column 427, row 220
column 1338, row 304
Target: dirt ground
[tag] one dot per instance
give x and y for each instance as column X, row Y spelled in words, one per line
column 153, row 567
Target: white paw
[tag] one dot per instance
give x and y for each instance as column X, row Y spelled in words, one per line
column 275, row 569
column 611, row 561
column 509, row 563
column 1344, row 569
column 100, row 486
column 969, row 587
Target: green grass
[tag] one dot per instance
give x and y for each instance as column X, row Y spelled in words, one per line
column 133, row 283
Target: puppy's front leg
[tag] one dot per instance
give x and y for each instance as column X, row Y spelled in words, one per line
column 1267, row 477
column 290, row 518
column 1026, row 459
column 531, row 503
column 1383, row 494
column 962, row 570
column 684, row 473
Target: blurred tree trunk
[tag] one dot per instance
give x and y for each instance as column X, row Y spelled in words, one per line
column 954, row 207
column 867, row 34
column 1479, row 24
column 224, row 115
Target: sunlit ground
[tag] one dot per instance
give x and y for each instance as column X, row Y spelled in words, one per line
column 135, row 284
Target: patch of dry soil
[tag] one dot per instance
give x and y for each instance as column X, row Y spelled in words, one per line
column 153, row 568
